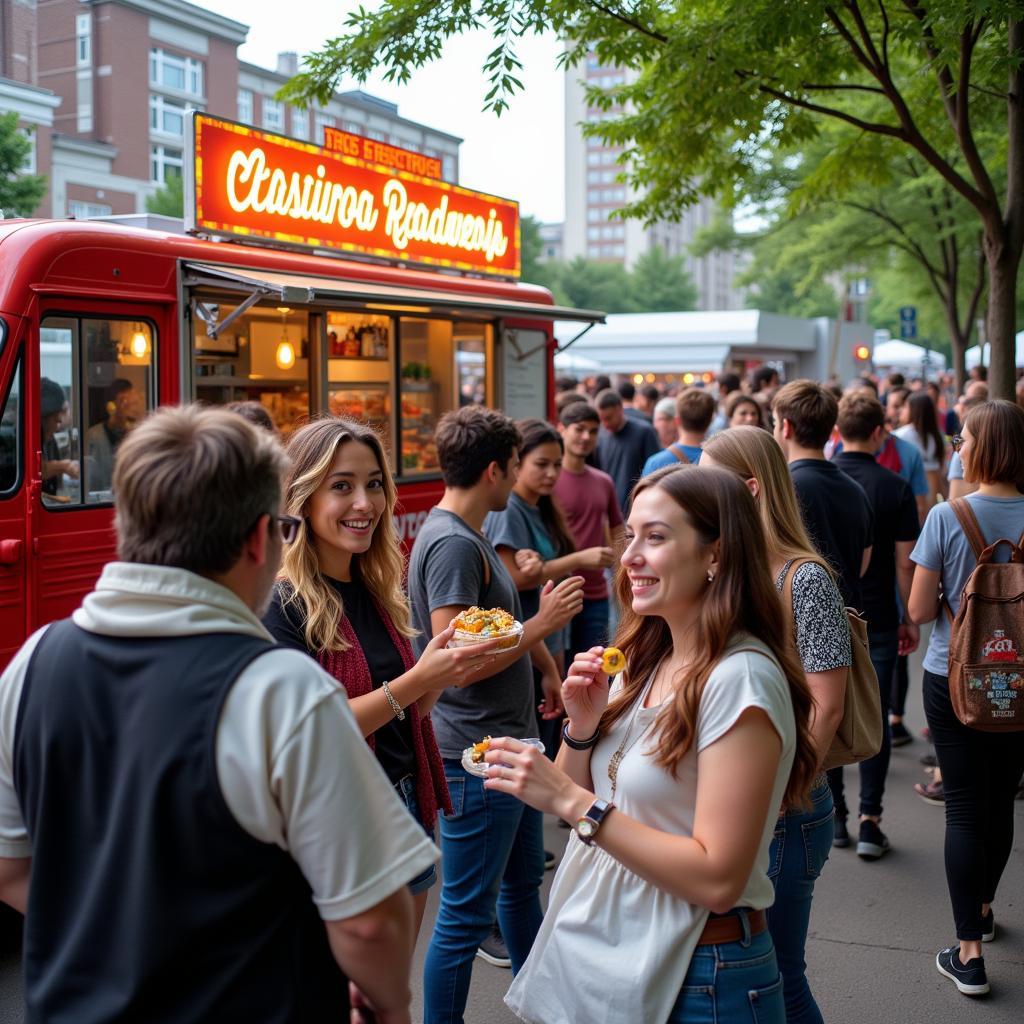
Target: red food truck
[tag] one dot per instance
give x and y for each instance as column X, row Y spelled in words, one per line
column 309, row 279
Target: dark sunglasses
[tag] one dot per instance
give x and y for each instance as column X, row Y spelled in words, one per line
column 956, row 442
column 289, row 527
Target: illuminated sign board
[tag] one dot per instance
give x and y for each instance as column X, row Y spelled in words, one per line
column 247, row 183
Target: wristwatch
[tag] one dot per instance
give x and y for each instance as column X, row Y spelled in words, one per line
column 587, row 826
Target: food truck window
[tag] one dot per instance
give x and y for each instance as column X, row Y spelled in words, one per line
column 262, row 356
column 103, row 369
column 10, row 435
column 360, row 369
column 444, row 365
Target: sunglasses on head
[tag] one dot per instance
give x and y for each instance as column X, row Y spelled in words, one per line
column 956, row 442
column 289, row 527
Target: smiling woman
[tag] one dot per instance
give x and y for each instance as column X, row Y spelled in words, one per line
column 340, row 600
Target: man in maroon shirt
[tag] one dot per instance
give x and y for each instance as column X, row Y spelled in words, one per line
column 587, row 496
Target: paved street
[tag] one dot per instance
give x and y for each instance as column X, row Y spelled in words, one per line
column 874, row 933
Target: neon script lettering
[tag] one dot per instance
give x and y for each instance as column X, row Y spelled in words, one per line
column 252, row 185
column 410, row 221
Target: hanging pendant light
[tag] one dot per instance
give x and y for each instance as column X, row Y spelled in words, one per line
column 284, row 357
column 139, row 344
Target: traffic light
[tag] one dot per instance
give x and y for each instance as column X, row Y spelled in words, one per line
column 862, row 353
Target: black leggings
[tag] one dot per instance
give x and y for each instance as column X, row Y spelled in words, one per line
column 980, row 775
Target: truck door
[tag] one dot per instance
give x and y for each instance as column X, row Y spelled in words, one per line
column 94, row 380
column 13, row 531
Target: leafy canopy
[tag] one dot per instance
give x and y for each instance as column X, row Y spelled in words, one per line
column 20, row 193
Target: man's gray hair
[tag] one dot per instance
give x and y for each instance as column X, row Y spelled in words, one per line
column 666, row 407
column 190, row 483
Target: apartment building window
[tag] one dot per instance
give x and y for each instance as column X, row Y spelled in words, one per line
column 171, row 71
column 375, row 133
column 300, row 123
column 353, row 126
column 449, row 167
column 273, row 114
column 165, row 162
column 594, row 214
column 83, row 40
column 166, row 117
column 593, row 234
column 245, row 106
column 81, row 210
column 28, row 165
column 320, row 122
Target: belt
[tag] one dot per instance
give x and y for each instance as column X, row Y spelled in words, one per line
column 722, row 928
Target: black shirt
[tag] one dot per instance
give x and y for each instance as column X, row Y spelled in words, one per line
column 622, row 455
column 895, row 514
column 838, row 517
column 393, row 740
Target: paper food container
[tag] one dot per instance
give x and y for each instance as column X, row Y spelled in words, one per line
column 506, row 641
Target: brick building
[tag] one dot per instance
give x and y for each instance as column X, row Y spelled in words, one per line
column 105, row 88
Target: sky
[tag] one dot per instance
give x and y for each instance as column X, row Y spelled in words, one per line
column 520, row 155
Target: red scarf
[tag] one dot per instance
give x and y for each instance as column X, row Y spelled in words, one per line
column 353, row 673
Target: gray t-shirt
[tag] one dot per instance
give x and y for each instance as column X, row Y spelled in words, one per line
column 943, row 548
column 956, row 467
column 622, row 455
column 520, row 525
column 447, row 569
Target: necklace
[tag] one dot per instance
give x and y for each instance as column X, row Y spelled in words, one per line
column 616, row 759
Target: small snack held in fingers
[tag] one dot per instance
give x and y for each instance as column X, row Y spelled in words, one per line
column 613, row 661
column 479, row 749
column 475, row 625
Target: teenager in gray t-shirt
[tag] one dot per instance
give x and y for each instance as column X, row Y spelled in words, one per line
column 447, row 570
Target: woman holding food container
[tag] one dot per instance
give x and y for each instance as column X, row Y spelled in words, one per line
column 340, row 599
column 672, row 778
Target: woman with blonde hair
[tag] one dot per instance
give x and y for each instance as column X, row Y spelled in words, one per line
column 818, row 620
column 672, row 777
column 340, row 599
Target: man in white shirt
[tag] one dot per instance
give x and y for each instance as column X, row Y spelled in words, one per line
column 189, row 813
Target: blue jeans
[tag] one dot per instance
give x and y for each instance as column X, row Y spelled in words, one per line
column 492, row 856
column 733, row 982
column 406, row 788
column 589, row 628
column 798, row 852
column 883, row 645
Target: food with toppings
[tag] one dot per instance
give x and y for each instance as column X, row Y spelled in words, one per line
column 475, row 625
column 479, row 749
column 613, row 661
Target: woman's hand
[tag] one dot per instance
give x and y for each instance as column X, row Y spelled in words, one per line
column 585, row 693
column 524, row 772
column 529, row 563
column 595, row 558
column 440, row 667
column 560, row 602
column 551, row 706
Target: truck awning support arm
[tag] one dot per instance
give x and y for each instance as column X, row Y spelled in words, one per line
column 207, row 312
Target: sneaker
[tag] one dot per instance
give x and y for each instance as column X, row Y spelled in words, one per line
column 929, row 760
column 988, row 926
column 492, row 950
column 840, row 834
column 550, row 860
column 931, row 793
column 900, row 734
column 872, row 842
column 969, row 978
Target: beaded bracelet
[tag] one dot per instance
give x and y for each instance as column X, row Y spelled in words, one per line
column 395, row 706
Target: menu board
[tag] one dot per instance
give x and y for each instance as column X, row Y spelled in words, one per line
column 525, row 374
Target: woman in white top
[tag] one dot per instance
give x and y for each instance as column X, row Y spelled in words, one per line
column 674, row 780
column 920, row 426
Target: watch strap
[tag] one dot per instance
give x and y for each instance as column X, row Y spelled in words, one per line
column 575, row 744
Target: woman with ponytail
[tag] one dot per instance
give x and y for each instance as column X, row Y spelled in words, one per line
column 340, row 599
column 672, row 777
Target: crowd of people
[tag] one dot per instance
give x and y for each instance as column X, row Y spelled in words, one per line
column 222, row 779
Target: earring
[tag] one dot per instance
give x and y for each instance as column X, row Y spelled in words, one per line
column 711, row 576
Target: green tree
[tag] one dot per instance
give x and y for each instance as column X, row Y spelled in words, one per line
column 20, row 193
column 169, row 200
column 660, row 282
column 722, row 84
column 592, row 285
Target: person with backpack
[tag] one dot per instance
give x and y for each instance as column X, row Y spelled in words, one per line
column 975, row 665
column 695, row 409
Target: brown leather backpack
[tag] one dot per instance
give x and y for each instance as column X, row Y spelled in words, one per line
column 986, row 636
column 859, row 735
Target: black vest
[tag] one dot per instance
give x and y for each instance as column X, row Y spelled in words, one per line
column 148, row 901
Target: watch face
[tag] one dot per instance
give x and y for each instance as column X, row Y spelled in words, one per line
column 586, row 828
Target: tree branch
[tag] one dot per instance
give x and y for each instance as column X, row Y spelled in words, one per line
column 885, row 33
column 839, row 87
column 816, row 108
column 1015, row 147
column 862, row 57
column 963, row 123
column 626, row 20
column 865, row 34
column 909, row 244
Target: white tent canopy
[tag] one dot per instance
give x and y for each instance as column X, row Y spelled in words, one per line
column 973, row 356
column 902, row 355
column 570, row 362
